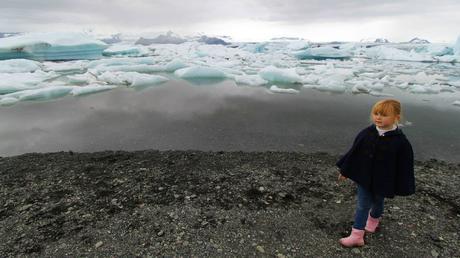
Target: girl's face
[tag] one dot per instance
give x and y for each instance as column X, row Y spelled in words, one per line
column 385, row 121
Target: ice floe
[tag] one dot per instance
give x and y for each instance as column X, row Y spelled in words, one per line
column 51, row 46
column 277, row 89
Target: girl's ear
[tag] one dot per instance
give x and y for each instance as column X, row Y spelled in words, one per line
column 398, row 118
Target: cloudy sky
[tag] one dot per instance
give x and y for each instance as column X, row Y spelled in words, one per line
column 317, row 20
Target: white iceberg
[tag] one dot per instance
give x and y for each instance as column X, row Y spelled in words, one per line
column 322, row 53
column 8, row 101
column 90, row 89
column 277, row 89
column 126, row 50
column 19, row 66
column 390, row 53
column 51, row 46
column 285, row 75
column 12, row 82
column 132, row 79
column 199, row 72
column 41, row 94
column 253, row 80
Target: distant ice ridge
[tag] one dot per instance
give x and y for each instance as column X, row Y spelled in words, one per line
column 51, row 46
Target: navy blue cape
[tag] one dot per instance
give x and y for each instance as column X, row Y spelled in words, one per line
column 383, row 164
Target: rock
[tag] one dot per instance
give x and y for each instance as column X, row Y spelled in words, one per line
column 260, row 249
column 160, row 233
column 98, row 244
column 434, row 253
column 355, row 251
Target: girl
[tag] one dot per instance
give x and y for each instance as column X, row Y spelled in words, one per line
column 381, row 162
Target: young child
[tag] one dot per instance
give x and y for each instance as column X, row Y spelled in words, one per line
column 381, row 162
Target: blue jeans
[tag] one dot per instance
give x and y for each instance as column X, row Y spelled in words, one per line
column 367, row 201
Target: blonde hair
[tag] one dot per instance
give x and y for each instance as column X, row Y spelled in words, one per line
column 387, row 107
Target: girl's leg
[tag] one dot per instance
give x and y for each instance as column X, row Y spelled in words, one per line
column 377, row 206
column 362, row 209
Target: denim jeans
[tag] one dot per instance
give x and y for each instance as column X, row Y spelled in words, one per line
column 367, row 201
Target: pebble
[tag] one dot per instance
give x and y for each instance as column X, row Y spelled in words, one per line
column 280, row 255
column 98, row 244
column 434, row 253
column 355, row 250
column 161, row 233
column 260, row 249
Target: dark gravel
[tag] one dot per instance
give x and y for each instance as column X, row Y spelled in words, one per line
column 212, row 204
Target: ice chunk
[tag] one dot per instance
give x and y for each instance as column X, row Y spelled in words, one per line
column 126, row 50
column 174, row 65
column 85, row 78
column 132, row 79
column 456, row 47
column 90, row 89
column 66, row 67
column 12, row 82
column 456, row 103
column 390, row 53
column 253, row 80
column 322, row 53
column 276, row 89
column 199, row 72
column 298, row 45
column 285, row 75
column 41, row 94
column 141, row 68
column 255, row 47
column 51, row 46
column 19, row 66
column 423, row 89
column 8, row 101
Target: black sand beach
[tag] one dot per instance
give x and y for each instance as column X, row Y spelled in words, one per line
column 212, row 204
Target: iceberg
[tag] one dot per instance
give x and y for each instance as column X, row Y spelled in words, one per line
column 19, row 66
column 12, row 82
column 253, row 80
column 174, row 65
column 126, row 50
column 51, row 46
column 456, row 103
column 8, row 101
column 199, row 72
column 390, row 53
column 456, row 47
column 322, row 53
column 274, row 74
column 41, row 94
column 90, row 89
column 132, row 79
column 277, row 89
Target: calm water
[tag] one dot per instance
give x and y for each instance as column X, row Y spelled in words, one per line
column 220, row 116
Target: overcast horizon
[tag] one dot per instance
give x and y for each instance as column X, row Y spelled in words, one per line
column 314, row 20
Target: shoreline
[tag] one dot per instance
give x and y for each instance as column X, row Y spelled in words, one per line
column 208, row 204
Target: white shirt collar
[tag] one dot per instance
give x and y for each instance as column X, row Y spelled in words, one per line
column 383, row 131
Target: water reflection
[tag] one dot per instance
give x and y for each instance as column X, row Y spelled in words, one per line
column 219, row 116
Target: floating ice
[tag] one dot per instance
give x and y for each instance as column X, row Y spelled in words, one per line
column 85, row 78
column 322, row 53
column 8, row 101
column 90, row 89
column 456, row 103
column 174, row 65
column 126, row 50
column 41, row 94
column 390, row 53
column 132, row 79
column 274, row 74
column 253, row 80
column 51, row 46
column 423, row 89
column 12, row 82
column 456, row 47
column 212, row 40
column 277, row 89
column 19, row 66
column 199, row 72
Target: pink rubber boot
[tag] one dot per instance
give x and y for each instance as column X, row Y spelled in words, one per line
column 372, row 224
column 356, row 238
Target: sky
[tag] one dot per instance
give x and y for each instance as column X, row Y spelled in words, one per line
column 315, row 20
